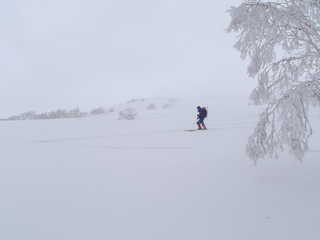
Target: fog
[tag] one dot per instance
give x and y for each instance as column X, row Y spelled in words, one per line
column 87, row 53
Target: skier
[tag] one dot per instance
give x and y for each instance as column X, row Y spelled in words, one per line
column 202, row 114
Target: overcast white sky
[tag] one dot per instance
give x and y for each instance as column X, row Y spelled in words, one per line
column 64, row 53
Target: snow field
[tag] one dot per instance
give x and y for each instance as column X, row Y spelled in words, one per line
column 102, row 178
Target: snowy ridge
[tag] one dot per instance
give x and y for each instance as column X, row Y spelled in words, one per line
column 128, row 111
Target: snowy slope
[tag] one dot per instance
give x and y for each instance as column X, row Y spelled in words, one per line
column 104, row 178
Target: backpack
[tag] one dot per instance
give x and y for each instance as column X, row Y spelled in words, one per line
column 204, row 112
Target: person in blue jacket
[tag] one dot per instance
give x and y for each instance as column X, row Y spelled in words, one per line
column 202, row 114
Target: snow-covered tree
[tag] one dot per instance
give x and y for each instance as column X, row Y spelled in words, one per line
column 128, row 114
column 281, row 38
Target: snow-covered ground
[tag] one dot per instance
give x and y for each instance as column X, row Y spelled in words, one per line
column 104, row 178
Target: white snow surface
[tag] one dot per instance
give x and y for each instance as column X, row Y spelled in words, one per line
column 103, row 178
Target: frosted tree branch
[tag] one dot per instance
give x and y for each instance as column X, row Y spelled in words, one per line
column 282, row 40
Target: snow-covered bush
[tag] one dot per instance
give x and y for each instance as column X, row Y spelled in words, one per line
column 151, row 106
column 135, row 100
column 60, row 113
column 128, row 114
column 282, row 40
column 165, row 106
column 76, row 113
column 98, row 111
column 23, row 116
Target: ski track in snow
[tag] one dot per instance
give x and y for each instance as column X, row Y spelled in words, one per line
column 212, row 128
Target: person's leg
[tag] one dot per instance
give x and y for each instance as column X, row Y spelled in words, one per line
column 199, row 124
column 203, row 126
